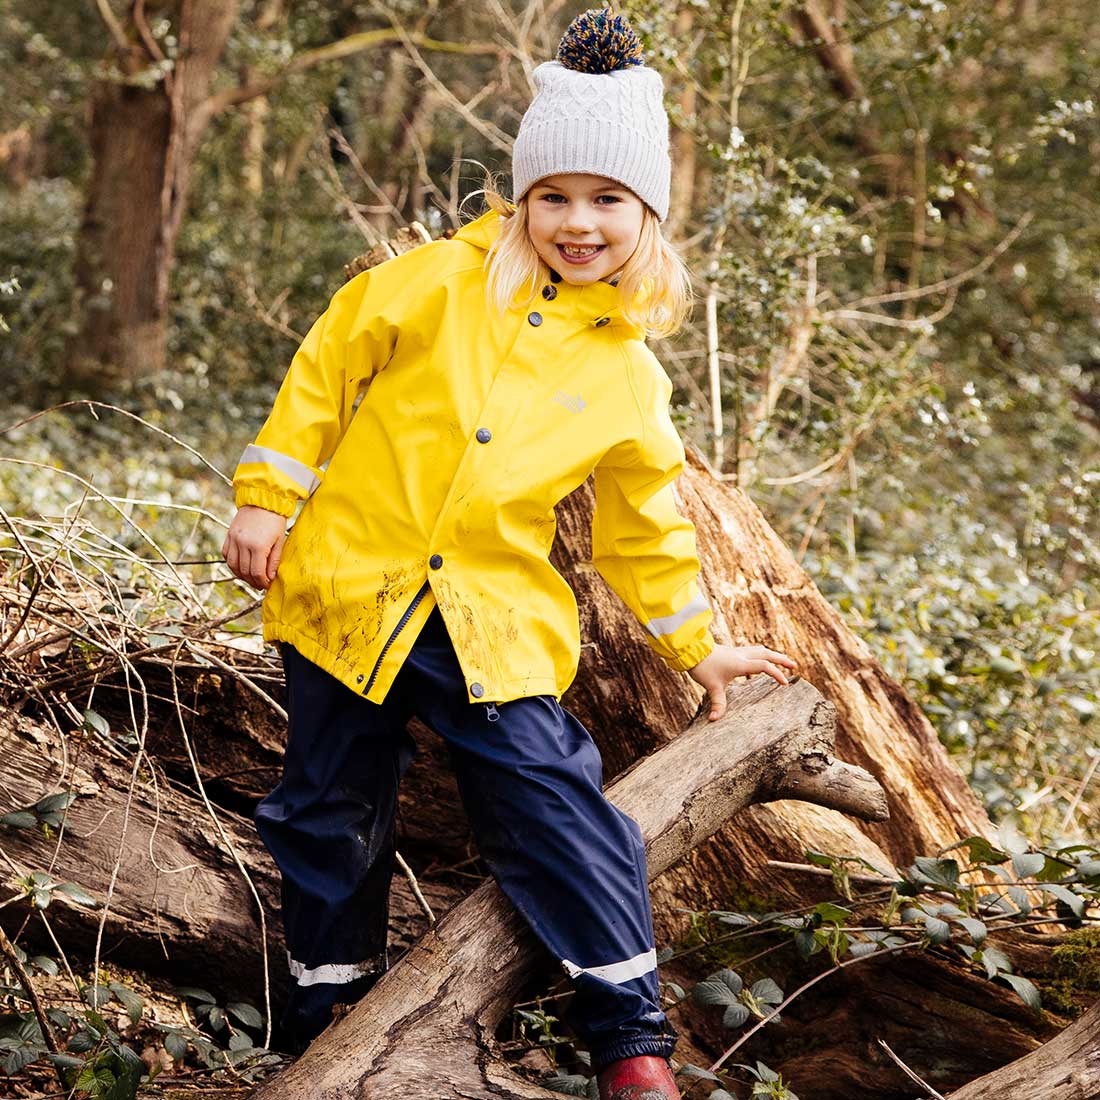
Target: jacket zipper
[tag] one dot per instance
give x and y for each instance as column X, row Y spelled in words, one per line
column 396, row 630
column 491, row 712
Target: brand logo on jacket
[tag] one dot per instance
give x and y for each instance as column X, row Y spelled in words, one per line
column 573, row 402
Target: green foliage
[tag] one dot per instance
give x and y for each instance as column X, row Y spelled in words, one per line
column 101, row 1064
column 916, row 914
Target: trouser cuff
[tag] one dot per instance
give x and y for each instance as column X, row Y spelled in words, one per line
column 660, row 1045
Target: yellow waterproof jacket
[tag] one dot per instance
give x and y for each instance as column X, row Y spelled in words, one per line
column 439, row 486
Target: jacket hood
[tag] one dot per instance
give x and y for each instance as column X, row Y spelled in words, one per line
column 600, row 299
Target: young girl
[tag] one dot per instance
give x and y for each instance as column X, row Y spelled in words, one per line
column 494, row 372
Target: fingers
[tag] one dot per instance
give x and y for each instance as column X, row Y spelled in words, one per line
column 772, row 655
column 717, row 704
column 250, row 564
column 274, row 558
column 775, row 672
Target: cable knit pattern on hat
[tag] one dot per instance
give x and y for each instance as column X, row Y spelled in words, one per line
column 605, row 123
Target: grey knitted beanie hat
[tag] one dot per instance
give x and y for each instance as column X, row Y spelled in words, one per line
column 597, row 109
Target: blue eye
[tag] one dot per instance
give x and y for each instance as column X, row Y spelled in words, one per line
column 553, row 195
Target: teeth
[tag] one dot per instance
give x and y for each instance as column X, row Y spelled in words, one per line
column 571, row 251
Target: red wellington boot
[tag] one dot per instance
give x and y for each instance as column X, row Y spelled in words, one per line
column 643, row 1077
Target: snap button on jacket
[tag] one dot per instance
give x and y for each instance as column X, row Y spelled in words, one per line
column 377, row 428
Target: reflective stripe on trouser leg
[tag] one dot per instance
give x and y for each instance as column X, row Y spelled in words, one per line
column 571, row 862
column 329, row 828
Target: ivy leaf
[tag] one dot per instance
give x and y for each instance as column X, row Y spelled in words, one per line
column 941, row 872
column 133, row 1003
column 1027, row 992
column 767, row 991
column 54, row 802
column 939, row 931
column 1012, row 840
column 832, row 914
column 735, row 1015
column 251, row 1017
column 175, row 1044
column 1074, row 902
column 975, row 928
column 711, row 992
column 806, row 943
column 1027, row 864
column 737, row 919
column 698, row 1071
column 192, row 993
column 82, row 1042
column 995, row 962
column 239, row 1041
column 65, row 1061
column 1055, row 869
column 96, row 723
column 21, row 1056
column 572, row 1084
column 1088, row 868
column 77, row 894
column 979, row 850
column 950, row 911
column 97, row 996
column 1019, row 897
column 859, row 948
column 19, row 819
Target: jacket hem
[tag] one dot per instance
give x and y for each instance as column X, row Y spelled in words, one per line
column 348, row 676
column 317, row 654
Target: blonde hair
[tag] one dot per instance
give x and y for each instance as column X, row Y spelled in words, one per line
column 654, row 284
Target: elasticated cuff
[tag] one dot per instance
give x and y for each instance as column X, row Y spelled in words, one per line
column 660, row 1045
column 690, row 657
column 281, row 503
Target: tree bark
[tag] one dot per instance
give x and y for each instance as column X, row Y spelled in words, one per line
column 426, row 1029
column 632, row 704
column 1066, row 1068
column 181, row 905
column 144, row 129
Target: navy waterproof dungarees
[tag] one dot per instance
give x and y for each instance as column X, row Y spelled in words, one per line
column 530, row 778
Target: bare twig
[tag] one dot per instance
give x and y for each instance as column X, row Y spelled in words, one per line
column 7, row 948
column 230, row 847
column 932, row 1094
column 113, row 25
column 415, row 888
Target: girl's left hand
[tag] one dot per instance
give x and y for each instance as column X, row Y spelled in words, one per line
column 726, row 662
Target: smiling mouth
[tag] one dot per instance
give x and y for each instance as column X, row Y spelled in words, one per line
column 580, row 253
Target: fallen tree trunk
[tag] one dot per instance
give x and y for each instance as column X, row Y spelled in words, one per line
column 181, row 905
column 427, row 1028
column 1066, row 1068
column 633, row 704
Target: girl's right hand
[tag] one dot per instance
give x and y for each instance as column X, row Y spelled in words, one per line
column 254, row 545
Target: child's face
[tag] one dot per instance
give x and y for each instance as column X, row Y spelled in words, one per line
column 579, row 209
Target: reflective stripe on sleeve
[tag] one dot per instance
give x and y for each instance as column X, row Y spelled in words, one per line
column 619, row 972
column 333, row 973
column 298, row 472
column 670, row 623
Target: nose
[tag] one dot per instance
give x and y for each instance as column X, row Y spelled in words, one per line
column 578, row 219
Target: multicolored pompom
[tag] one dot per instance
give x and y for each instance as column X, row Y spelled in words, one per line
column 599, row 42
